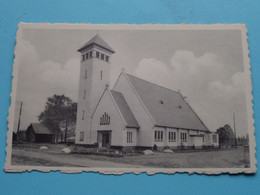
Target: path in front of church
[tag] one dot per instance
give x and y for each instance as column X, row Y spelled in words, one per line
column 31, row 155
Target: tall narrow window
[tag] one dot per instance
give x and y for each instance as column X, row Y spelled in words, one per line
column 83, row 113
column 83, row 58
column 102, row 56
column 86, row 56
column 158, row 136
column 107, row 58
column 105, row 119
column 84, row 96
column 214, row 138
column 183, row 137
column 101, row 75
column 90, row 54
column 172, row 136
column 129, row 137
column 81, row 136
column 86, row 74
column 97, row 54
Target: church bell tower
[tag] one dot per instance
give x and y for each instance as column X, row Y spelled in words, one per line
column 94, row 76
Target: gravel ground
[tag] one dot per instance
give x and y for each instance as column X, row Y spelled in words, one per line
column 30, row 154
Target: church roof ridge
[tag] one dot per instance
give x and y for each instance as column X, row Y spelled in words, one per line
column 97, row 40
column 153, row 83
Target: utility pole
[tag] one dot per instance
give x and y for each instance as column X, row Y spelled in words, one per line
column 21, row 107
column 235, row 132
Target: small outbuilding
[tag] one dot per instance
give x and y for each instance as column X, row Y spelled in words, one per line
column 37, row 133
column 70, row 140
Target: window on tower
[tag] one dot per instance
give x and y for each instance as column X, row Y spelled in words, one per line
column 86, row 74
column 84, row 94
column 88, row 55
column 97, row 54
column 83, row 113
column 102, row 56
column 107, row 58
column 81, row 136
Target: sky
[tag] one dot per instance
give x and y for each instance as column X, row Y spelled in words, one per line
column 205, row 65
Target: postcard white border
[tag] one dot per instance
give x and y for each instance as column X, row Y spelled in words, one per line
column 252, row 145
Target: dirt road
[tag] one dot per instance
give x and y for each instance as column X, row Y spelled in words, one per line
column 49, row 159
column 31, row 155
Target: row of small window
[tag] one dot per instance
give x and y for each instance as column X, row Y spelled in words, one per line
column 102, row 56
column 99, row 55
column 104, row 119
column 158, row 136
column 86, row 56
column 129, row 137
column 86, row 74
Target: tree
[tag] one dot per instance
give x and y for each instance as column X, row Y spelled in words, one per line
column 60, row 113
column 70, row 117
column 226, row 136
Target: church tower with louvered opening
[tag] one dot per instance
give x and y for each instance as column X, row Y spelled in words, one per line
column 94, row 76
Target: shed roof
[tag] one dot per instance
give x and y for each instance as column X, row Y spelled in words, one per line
column 71, row 139
column 167, row 107
column 125, row 109
column 41, row 129
column 97, row 40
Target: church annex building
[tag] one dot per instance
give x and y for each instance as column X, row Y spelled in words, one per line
column 135, row 112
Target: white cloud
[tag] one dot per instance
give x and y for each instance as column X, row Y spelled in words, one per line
column 200, row 78
column 184, row 70
column 233, row 89
column 153, row 70
column 186, row 61
column 38, row 80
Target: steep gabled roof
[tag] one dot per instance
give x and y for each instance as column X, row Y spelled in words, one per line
column 41, row 129
column 167, row 107
column 124, row 109
column 97, row 40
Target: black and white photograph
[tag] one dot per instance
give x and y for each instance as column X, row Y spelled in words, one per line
column 119, row 98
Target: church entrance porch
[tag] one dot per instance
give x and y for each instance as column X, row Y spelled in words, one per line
column 104, row 138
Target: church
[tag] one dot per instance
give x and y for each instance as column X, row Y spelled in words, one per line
column 134, row 113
